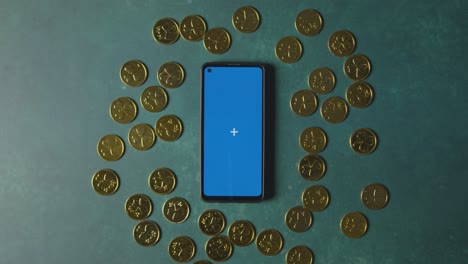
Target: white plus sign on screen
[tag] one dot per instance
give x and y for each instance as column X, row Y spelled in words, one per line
column 234, row 132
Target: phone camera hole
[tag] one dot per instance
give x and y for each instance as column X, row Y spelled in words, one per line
column 209, row 69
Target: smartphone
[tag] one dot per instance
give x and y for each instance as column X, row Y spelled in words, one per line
column 232, row 131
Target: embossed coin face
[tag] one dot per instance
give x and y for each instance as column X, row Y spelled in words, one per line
column 123, row 110
column 176, row 210
column 298, row 219
column 341, row 43
column 218, row 248
column 211, row 222
column 105, row 182
column 313, row 140
column 169, row 128
column 138, row 206
column 111, row 147
column 354, row 225
column 269, row 242
column 334, row 110
column 162, row 181
column 312, row 167
column 166, row 31
column 357, row 67
column 146, row 233
column 192, row 28
column 375, row 196
column 154, row 99
column 363, row 141
column 133, row 73
column 288, row 50
column 241, row 233
column 141, row 137
column 309, row 22
column 322, row 80
column 303, row 102
column 217, row 40
column 315, row 198
column 299, row 255
column 360, row 94
column 171, row 74
column 182, row 249
column 246, row 19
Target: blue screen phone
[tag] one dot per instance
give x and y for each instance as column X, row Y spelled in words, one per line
column 232, row 131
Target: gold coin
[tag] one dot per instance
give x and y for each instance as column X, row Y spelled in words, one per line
column 354, row 225
column 218, row 248
column 315, row 198
column 341, row 43
column 166, row 31
column 154, row 99
column 169, row 128
column 269, row 242
column 246, row 19
column 360, row 94
column 298, row 219
column 138, row 206
column 211, row 222
column 357, row 67
column 193, row 28
column 141, row 137
column 105, row 182
column 146, row 233
column 241, row 233
column 375, row 196
column 322, row 80
column 312, row 167
column 303, row 102
column 334, row 110
column 217, row 40
column 363, row 141
column 182, row 249
column 313, row 140
column 123, row 110
column 176, row 210
column 288, row 50
column 309, row 22
column 111, row 147
column 299, row 255
column 171, row 74
column 133, row 73
column 202, row 262
column 162, row 181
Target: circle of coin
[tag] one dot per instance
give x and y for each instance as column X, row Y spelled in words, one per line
column 357, row 67
column 202, row 262
column 299, row 255
column 141, row 137
column 241, row 233
column 375, row 196
column 269, row 242
column 123, row 110
column 133, row 73
column 303, row 102
column 354, row 225
column 312, row 167
column 146, row 233
column 288, row 50
column 162, row 181
column 111, row 147
column 315, row 198
column 138, row 206
column 217, row 40
column 363, row 141
column 105, row 182
column 182, row 249
column 166, row 31
column 359, row 94
column 341, row 43
column 298, row 219
column 322, row 80
column 218, row 248
column 154, row 99
column 169, row 128
column 171, row 74
column 246, row 19
column 334, row 110
column 211, row 222
column 176, row 210
column 313, row 140
column 309, row 22
column 193, row 28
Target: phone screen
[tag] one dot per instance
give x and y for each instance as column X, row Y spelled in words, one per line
column 232, row 131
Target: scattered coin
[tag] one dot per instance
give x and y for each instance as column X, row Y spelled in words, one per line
column 375, row 196
column 154, row 99
column 313, row 140
column 288, row 50
column 357, row 67
column 193, row 28
column 269, row 242
column 202, row 262
column 334, row 110
column 217, row 40
column 312, row 167
column 133, row 73
column 111, row 147
column 166, row 31
column 138, row 206
column 123, row 110
column 169, row 128
column 315, row 198
column 218, row 248
column 246, row 19
column 322, row 80
column 141, row 137
column 105, row 182
column 171, row 74
column 241, row 233
column 176, row 210
column 182, row 249
column 211, row 222
column 363, row 141
column 341, row 43
column 354, row 225
column 309, row 22
column 162, row 181
column 303, row 102
column 146, row 233
column 298, row 219
column 299, row 255
column 360, row 94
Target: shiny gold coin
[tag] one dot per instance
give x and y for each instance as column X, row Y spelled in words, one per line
column 360, row 94
column 211, row 222
column 105, row 182
column 288, row 50
column 312, row 167
column 322, row 80
column 303, row 102
column 357, row 67
column 217, row 40
column 334, row 110
column 162, row 181
column 166, row 31
column 171, row 74
column 182, row 249
column 202, row 262
column 154, row 99
column 298, row 219
column 309, row 22
column 246, row 19
column 218, row 248
column 269, row 242
column 241, row 233
column 354, row 225
column 169, row 128
column 299, row 255
column 139, row 206
column 363, row 141
column 193, row 28
column 176, row 210
column 123, row 110
column 141, row 137
column 342, row 43
column 315, row 198
column 133, row 73
column 146, row 233
column 313, row 140
column 375, row 196
column 111, row 147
